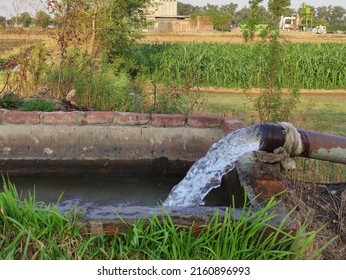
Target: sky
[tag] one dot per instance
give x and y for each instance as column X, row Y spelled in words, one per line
column 34, row 5
column 241, row 3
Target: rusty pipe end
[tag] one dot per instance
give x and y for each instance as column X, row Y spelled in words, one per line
column 303, row 143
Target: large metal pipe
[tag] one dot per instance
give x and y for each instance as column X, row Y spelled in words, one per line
column 303, row 143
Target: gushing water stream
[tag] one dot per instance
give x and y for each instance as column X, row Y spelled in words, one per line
column 206, row 174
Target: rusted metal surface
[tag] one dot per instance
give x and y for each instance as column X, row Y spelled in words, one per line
column 323, row 146
column 314, row 144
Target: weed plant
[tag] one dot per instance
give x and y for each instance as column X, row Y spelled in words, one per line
column 33, row 230
column 10, row 101
column 273, row 105
column 37, row 105
column 98, row 86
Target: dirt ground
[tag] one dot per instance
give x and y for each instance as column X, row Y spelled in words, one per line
column 322, row 207
column 236, row 37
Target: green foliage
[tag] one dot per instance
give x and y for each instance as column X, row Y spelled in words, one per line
column 25, row 19
column 2, row 21
column 219, row 16
column 10, row 102
column 98, row 86
column 254, row 19
column 42, row 19
column 273, row 105
column 122, row 22
column 305, row 65
column 108, row 90
column 37, row 105
column 185, row 9
column 278, row 7
column 334, row 15
column 27, row 77
column 172, row 99
column 33, row 230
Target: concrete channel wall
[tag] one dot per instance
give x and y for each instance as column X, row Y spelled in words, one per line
column 112, row 139
column 121, row 142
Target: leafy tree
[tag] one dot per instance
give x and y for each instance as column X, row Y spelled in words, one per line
column 186, row 9
column 288, row 12
column 337, row 15
column 92, row 27
column 221, row 16
column 273, row 104
column 25, row 19
column 277, row 9
column 121, row 22
column 254, row 19
column 42, row 19
column 241, row 16
column 12, row 21
column 2, row 21
column 229, row 11
column 69, row 16
column 324, row 12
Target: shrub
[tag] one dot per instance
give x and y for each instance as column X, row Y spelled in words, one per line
column 10, row 101
column 37, row 105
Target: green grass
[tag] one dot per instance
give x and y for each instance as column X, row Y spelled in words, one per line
column 37, row 105
column 324, row 112
column 33, row 230
column 321, row 112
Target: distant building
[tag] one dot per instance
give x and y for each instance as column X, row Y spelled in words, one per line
column 163, row 9
column 164, row 18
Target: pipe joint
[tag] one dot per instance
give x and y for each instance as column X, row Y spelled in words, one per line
column 293, row 143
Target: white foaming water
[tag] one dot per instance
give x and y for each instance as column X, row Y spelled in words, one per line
column 206, row 173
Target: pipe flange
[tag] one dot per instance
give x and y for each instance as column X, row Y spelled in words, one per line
column 293, row 142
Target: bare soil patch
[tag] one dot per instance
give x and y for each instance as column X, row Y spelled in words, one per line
column 323, row 206
column 236, row 37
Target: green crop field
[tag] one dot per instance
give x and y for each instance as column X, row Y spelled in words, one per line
column 303, row 65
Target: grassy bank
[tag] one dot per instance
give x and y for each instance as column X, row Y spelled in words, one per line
column 31, row 230
column 320, row 111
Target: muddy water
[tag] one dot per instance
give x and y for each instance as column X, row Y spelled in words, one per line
column 206, row 174
column 104, row 189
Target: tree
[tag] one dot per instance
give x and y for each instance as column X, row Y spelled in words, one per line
column 229, row 11
column 69, row 16
column 272, row 104
column 288, row 12
column 186, row 9
column 87, row 27
column 324, row 12
column 210, row 8
column 229, row 8
column 337, row 15
column 242, row 15
column 24, row 19
column 42, row 19
column 121, row 22
column 11, row 22
column 277, row 9
column 253, row 20
column 15, row 8
column 2, row 22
